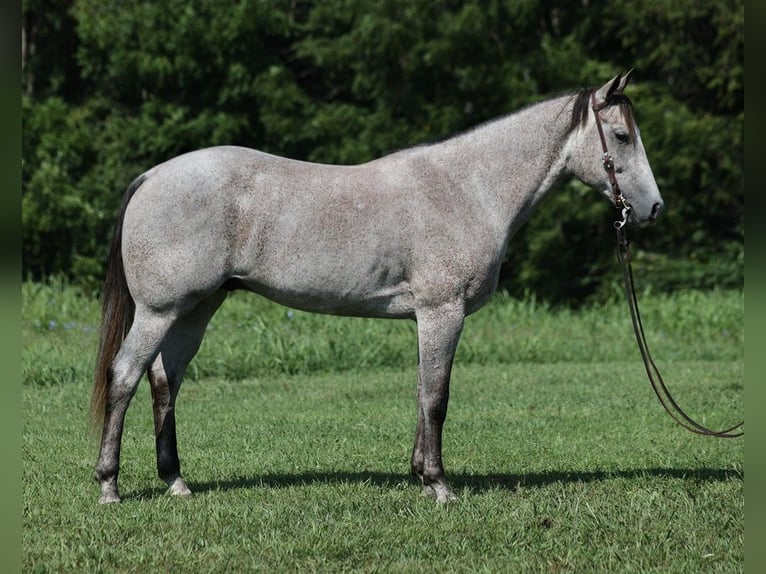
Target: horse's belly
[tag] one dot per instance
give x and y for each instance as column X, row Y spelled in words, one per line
column 393, row 301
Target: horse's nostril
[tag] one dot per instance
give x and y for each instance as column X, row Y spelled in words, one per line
column 656, row 210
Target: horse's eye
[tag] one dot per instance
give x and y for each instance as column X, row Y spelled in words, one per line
column 622, row 137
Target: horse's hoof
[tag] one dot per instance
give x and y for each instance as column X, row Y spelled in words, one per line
column 443, row 495
column 110, row 498
column 178, row 488
column 446, row 497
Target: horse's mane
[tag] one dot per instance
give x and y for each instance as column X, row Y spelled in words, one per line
column 580, row 109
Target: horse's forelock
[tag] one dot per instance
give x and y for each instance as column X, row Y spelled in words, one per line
column 626, row 107
column 582, row 105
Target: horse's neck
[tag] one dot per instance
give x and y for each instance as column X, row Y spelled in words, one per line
column 510, row 164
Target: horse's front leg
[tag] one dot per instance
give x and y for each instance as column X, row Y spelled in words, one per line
column 438, row 334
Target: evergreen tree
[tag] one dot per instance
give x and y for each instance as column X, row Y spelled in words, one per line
column 111, row 88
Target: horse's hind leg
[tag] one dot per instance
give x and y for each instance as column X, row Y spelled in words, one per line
column 438, row 334
column 165, row 376
column 138, row 350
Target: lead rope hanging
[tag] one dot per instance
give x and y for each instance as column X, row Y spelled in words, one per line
column 623, row 253
column 655, row 378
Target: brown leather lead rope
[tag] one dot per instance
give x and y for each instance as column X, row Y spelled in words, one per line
column 623, row 252
column 655, row 378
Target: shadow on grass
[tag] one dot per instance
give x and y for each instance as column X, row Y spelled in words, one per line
column 459, row 481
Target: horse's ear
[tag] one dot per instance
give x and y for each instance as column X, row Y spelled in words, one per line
column 623, row 81
column 605, row 92
column 614, row 86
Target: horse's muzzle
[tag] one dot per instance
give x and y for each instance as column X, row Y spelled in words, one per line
column 654, row 215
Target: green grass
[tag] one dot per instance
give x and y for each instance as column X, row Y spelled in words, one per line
column 561, row 455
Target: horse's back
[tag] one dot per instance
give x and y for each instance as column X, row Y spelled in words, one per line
column 323, row 237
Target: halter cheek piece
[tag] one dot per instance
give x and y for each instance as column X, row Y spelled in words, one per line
column 619, row 201
column 623, row 252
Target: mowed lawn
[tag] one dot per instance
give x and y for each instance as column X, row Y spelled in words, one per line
column 295, row 434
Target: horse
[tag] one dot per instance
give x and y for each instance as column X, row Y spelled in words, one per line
column 417, row 234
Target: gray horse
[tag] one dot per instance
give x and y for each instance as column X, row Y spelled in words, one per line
column 418, row 234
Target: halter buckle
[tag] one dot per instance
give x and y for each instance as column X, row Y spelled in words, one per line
column 608, row 161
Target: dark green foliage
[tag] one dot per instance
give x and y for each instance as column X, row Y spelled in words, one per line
column 110, row 89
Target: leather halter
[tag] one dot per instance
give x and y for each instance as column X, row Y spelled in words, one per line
column 624, row 255
column 619, row 202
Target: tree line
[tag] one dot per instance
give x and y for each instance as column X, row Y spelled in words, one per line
column 111, row 88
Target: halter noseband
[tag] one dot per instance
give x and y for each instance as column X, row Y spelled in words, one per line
column 619, row 202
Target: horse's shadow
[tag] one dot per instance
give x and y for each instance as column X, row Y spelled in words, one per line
column 459, row 481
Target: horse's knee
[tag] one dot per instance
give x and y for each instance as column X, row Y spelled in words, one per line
column 435, row 407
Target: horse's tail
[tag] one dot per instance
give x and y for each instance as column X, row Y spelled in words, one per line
column 117, row 309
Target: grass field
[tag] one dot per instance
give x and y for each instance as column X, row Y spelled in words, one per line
column 295, row 433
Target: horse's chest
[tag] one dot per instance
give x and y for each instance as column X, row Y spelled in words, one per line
column 480, row 288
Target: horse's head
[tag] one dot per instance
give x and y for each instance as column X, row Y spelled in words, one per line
column 608, row 148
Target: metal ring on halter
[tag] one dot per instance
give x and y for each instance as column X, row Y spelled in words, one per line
column 625, row 212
